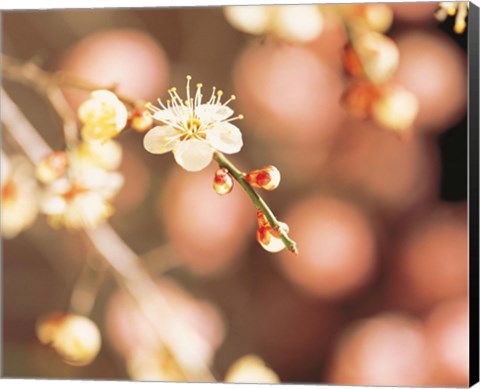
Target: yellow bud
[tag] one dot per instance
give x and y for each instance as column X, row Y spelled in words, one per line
column 395, row 109
column 141, row 121
column 103, row 115
column 75, row 338
column 298, row 23
column 249, row 19
column 378, row 55
column 379, row 17
column 251, row 369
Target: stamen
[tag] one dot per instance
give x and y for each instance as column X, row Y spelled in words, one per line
column 151, row 107
column 188, row 90
column 161, row 104
column 212, row 97
column 219, row 96
column 232, row 97
column 198, row 96
column 239, row 117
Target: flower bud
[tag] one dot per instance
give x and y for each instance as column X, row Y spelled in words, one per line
column 222, row 181
column 358, row 99
column 297, row 23
column 141, row 121
column 267, row 178
column 249, row 19
column 251, row 369
column 75, row 338
column 378, row 55
column 282, row 229
column 261, row 219
column 351, row 61
column 395, row 109
column 378, row 17
column 268, row 237
column 103, row 116
column 53, row 166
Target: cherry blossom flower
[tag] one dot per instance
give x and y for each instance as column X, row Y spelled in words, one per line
column 103, row 115
column 76, row 338
column 193, row 130
column 19, row 196
column 81, row 198
column 294, row 23
column 251, row 369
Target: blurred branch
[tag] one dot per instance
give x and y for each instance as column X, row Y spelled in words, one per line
column 258, row 201
column 29, row 73
column 86, row 287
column 181, row 340
column 22, row 131
column 125, row 264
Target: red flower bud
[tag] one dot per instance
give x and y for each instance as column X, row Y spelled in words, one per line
column 268, row 237
column 351, row 61
column 358, row 99
column 53, row 166
column 267, row 178
column 222, row 181
column 141, row 120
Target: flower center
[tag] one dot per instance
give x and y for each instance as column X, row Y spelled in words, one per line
column 73, row 192
column 193, row 129
column 9, row 192
column 193, row 125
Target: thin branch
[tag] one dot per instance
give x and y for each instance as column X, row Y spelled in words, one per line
column 85, row 290
column 181, row 340
column 60, row 105
column 126, row 265
column 258, row 201
column 29, row 73
column 22, row 131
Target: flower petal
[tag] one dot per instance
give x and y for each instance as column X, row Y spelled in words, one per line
column 54, row 205
column 121, row 115
column 225, row 137
column 170, row 115
column 161, row 139
column 193, row 154
column 104, row 95
column 208, row 113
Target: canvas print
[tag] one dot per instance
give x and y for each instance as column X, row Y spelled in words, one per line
column 256, row 194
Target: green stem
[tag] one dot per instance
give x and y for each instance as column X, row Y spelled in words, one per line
column 259, row 203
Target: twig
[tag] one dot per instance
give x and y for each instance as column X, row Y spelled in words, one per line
column 29, row 73
column 22, row 131
column 125, row 264
column 258, row 201
column 85, row 290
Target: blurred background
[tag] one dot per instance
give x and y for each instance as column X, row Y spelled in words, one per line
column 378, row 294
